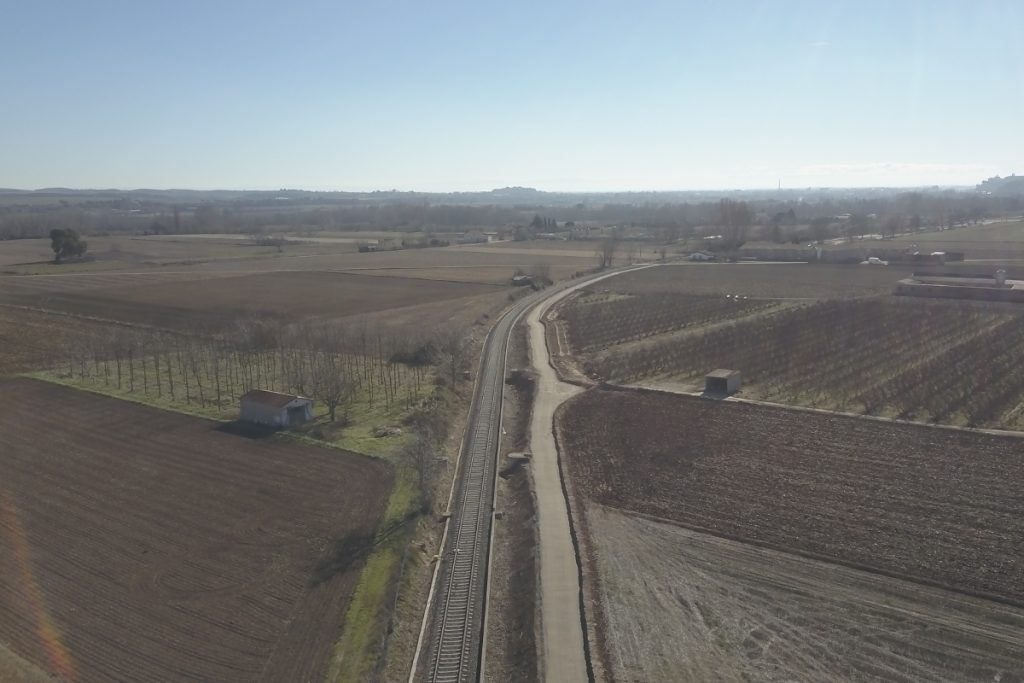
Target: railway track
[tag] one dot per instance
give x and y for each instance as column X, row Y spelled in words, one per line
column 456, row 634
column 453, row 632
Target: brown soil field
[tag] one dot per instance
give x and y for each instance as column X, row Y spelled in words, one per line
column 679, row 605
column 13, row 252
column 22, row 285
column 199, row 253
column 288, row 296
column 32, row 340
column 761, row 280
column 133, row 251
column 142, row 545
column 495, row 274
column 935, row 505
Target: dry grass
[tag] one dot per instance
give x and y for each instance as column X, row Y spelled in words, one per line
column 14, row 669
column 684, row 606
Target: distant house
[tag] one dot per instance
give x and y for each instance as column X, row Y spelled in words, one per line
column 580, row 232
column 474, row 238
column 275, row 409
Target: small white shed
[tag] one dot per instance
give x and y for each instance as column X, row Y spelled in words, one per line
column 275, row 409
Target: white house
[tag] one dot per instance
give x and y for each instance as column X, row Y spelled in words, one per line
column 275, row 409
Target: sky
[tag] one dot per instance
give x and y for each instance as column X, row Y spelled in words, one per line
column 559, row 95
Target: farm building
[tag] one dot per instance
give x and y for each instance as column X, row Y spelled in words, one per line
column 275, row 409
column 722, row 382
column 959, row 285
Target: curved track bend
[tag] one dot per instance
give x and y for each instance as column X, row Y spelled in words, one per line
column 454, row 632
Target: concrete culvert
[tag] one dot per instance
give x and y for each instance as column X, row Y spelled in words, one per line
column 521, row 378
column 513, row 462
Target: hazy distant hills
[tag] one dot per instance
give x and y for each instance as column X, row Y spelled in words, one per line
column 1010, row 186
column 521, row 197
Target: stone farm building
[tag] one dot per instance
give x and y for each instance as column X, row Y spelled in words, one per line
column 275, row 409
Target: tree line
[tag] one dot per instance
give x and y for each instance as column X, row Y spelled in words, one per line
column 333, row 363
column 654, row 212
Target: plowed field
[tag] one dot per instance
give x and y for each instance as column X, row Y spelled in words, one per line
column 941, row 506
column 33, row 340
column 762, row 280
column 732, row 612
column 197, row 303
column 141, row 545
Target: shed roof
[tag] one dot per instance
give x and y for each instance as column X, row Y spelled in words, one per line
column 723, row 374
column 273, row 399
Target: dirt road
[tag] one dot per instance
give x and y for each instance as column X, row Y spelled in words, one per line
column 563, row 657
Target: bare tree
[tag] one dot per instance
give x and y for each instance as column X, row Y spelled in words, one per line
column 606, row 250
column 632, row 249
column 540, row 274
column 452, row 346
column 856, row 226
column 330, row 383
column 892, row 225
column 421, row 454
column 733, row 218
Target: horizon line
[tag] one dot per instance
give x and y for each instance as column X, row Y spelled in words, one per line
column 766, row 188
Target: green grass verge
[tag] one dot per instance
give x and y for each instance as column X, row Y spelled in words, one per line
column 358, row 651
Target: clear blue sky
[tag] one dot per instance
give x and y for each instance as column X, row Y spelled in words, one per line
column 584, row 95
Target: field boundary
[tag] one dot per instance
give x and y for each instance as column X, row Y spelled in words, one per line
column 96, row 319
column 283, row 435
column 390, row 537
column 832, row 560
column 588, row 592
column 1012, row 433
column 820, row 558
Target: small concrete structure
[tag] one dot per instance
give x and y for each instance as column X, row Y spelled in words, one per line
column 275, row 409
column 962, row 285
column 722, row 382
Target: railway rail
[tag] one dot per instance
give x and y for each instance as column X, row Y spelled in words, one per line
column 453, row 630
column 456, row 634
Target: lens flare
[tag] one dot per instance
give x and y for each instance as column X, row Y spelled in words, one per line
column 45, row 628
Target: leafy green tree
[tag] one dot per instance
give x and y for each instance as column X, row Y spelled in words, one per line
column 66, row 243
